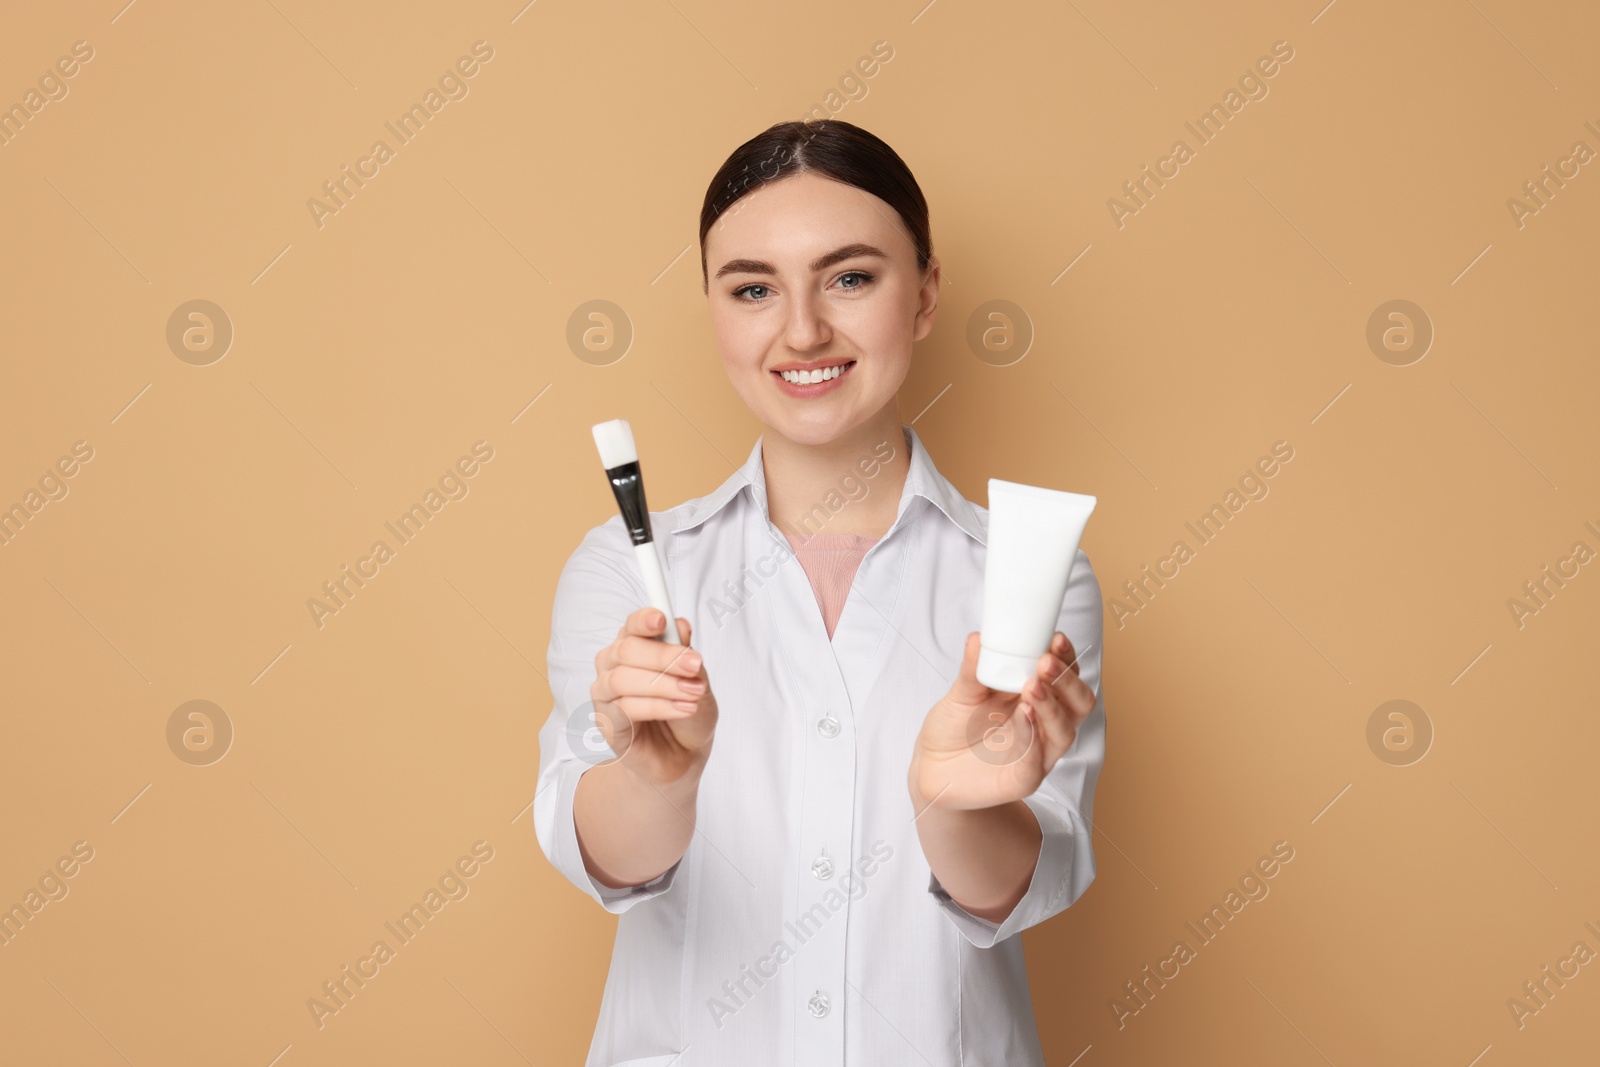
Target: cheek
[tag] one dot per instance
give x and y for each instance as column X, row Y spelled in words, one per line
column 893, row 317
column 743, row 344
column 881, row 328
column 740, row 338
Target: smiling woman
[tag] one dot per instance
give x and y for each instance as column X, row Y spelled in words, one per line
column 847, row 676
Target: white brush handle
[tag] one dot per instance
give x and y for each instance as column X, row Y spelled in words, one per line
column 655, row 584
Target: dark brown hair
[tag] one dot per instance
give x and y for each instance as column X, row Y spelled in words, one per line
column 831, row 148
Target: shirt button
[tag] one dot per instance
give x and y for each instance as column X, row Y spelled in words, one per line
column 822, row 866
column 828, row 727
column 818, row 1004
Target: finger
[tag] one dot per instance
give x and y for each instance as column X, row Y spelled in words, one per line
column 649, row 654
column 646, row 622
column 685, row 661
column 1055, row 721
column 1043, row 753
column 1062, row 648
column 663, row 665
column 648, row 709
column 967, row 689
column 623, row 680
column 628, row 681
column 1070, row 689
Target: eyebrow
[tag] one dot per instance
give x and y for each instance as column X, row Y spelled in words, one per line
column 823, row 262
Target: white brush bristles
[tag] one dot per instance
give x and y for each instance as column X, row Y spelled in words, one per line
column 614, row 439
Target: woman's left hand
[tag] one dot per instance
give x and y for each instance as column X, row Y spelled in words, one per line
column 980, row 747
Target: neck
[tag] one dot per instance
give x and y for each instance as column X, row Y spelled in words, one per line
column 827, row 488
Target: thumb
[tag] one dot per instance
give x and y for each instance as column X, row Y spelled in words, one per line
column 967, row 689
column 685, row 631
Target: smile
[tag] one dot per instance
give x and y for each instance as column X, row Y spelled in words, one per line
column 815, row 374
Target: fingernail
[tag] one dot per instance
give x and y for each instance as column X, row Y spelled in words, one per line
column 686, row 705
column 692, row 661
column 692, row 685
column 656, row 618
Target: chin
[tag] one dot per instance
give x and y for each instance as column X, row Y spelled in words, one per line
column 816, row 431
column 819, row 428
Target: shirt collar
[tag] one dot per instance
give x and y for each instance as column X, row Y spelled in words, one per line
column 922, row 480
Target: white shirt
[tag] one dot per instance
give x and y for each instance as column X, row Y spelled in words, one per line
column 803, row 925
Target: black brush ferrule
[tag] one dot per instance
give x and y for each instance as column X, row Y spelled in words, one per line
column 628, row 486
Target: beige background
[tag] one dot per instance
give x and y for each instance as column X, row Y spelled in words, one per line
column 369, row 354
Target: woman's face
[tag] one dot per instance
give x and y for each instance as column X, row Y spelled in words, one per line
column 812, row 274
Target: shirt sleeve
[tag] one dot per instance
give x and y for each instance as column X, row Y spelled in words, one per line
column 599, row 587
column 1064, row 801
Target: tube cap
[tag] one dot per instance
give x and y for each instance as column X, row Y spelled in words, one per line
column 1004, row 671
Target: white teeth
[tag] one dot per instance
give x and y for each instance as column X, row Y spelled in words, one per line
column 801, row 377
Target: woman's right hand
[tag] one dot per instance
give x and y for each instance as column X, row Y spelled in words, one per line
column 653, row 701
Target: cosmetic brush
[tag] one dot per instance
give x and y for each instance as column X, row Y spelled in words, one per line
column 620, row 458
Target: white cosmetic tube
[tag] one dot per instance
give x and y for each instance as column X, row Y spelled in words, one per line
column 1033, row 541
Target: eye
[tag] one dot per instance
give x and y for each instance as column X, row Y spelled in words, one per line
column 756, row 293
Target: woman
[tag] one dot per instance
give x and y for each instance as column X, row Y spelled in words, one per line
column 822, row 833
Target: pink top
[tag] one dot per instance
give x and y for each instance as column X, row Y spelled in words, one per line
column 830, row 560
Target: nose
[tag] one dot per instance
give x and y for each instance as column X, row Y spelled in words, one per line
column 806, row 326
